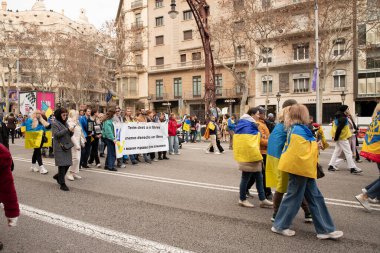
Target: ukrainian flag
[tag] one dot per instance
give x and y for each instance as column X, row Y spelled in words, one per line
column 246, row 142
column 371, row 144
column 276, row 144
column 186, row 125
column 300, row 154
column 33, row 136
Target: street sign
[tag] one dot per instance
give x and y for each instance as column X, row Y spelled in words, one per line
column 166, row 104
column 229, row 101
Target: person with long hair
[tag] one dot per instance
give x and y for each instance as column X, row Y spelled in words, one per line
column 78, row 140
column 11, row 125
column 299, row 159
column 108, row 133
column 62, row 146
column 371, row 151
column 172, row 132
column 97, row 134
column 37, row 123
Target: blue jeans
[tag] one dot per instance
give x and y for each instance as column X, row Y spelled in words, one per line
column 245, row 178
column 173, row 144
column 111, row 154
column 373, row 189
column 298, row 188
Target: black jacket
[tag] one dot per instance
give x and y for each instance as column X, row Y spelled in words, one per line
column 342, row 121
column 4, row 135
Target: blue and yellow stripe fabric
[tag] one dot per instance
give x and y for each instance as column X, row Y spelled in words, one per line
column 371, row 144
column 246, row 142
column 33, row 136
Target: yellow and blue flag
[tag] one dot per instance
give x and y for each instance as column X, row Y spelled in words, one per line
column 371, row 144
column 246, row 141
column 276, row 144
column 346, row 132
column 300, row 154
column 33, row 136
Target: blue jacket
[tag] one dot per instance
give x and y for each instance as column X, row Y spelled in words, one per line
column 83, row 122
column 231, row 126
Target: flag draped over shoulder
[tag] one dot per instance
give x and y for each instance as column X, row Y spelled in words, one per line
column 276, row 144
column 371, row 144
column 246, row 142
column 300, row 154
column 33, row 136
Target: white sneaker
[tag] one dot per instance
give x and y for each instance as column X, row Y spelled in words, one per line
column 373, row 201
column 207, row 152
column 245, row 203
column 218, row 153
column 266, row 204
column 70, row 176
column 76, row 176
column 286, row 232
column 43, row 170
column 364, row 190
column 363, row 202
column 332, row 235
column 155, row 160
column 123, row 166
column 171, row 153
column 177, row 153
column 98, row 165
column 34, row 168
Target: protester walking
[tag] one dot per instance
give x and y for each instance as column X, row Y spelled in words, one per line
column 79, row 141
column 118, row 119
column 162, row 155
column 212, row 131
column 97, row 134
column 37, row 123
column 11, row 125
column 231, row 129
column 62, row 146
column 172, row 132
column 247, row 154
column 299, row 159
column 371, row 151
column 108, row 133
column 8, row 195
column 193, row 130
column 86, row 124
column 341, row 133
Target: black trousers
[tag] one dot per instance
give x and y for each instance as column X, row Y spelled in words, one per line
column 152, row 155
column 37, row 157
column 85, row 152
column 94, row 152
column 62, row 170
column 162, row 154
column 221, row 149
column 12, row 133
column 251, row 182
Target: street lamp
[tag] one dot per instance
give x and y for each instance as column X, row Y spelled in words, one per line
column 343, row 96
column 278, row 96
column 201, row 12
column 97, row 104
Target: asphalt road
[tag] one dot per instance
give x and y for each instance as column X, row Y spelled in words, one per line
column 188, row 203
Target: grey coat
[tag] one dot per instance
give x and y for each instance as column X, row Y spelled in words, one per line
column 62, row 135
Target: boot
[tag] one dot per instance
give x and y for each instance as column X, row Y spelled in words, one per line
column 64, row 187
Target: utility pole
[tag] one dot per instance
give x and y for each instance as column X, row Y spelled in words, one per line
column 319, row 105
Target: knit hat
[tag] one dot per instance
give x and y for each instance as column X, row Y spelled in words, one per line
column 289, row 102
column 343, row 108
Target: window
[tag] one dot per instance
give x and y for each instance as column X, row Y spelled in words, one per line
column 373, row 63
column 177, row 87
column 339, row 79
column 159, row 3
column 187, row 15
column 301, row 83
column 160, row 61
column 159, row 89
column 196, row 56
column 188, row 35
column 267, row 84
column 138, row 59
column 138, row 18
column 159, row 40
column 362, row 34
column 197, row 86
column 266, row 52
column 159, row 21
column 183, row 58
column 301, row 51
column 339, row 47
column 240, row 51
column 218, row 84
column 369, row 84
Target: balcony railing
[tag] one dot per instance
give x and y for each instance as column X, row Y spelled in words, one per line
column 136, row 4
column 303, row 90
column 137, row 25
column 159, row 97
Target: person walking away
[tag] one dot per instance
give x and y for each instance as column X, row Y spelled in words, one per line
column 299, row 159
column 87, row 126
column 274, row 177
column 231, row 129
column 270, row 122
column 212, row 129
column 198, row 128
column 247, row 154
column 371, row 151
column 79, row 141
column 172, row 132
column 108, row 133
column 8, row 195
column 62, row 146
column 37, row 123
column 186, row 128
column 162, row 155
column 97, row 134
column 341, row 133
column 193, row 130
column 11, row 125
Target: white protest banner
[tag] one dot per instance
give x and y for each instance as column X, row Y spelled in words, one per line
column 140, row 138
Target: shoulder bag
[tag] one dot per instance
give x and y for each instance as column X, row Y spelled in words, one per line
column 65, row 146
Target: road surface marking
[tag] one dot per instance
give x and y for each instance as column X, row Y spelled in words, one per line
column 331, row 201
column 111, row 236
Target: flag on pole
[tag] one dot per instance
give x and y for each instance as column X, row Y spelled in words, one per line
column 314, row 82
column 108, row 96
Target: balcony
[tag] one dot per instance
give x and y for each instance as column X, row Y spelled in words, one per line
column 159, row 97
column 303, row 90
column 137, row 46
column 137, row 25
column 136, row 4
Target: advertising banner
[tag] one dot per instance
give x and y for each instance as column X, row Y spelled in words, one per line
column 28, row 102
column 12, row 95
column 139, row 138
column 45, row 99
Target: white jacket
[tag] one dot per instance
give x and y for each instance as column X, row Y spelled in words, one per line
column 78, row 136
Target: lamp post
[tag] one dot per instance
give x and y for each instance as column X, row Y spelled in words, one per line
column 343, row 96
column 201, row 12
column 278, row 96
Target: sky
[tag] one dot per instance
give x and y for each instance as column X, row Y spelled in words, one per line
column 97, row 11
